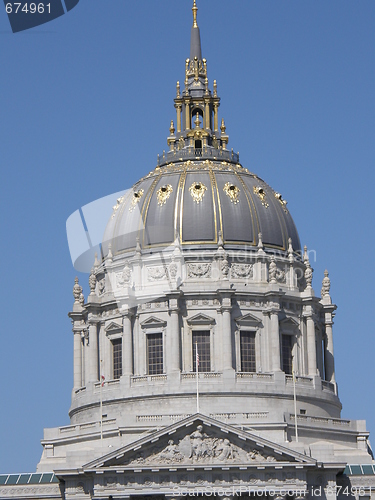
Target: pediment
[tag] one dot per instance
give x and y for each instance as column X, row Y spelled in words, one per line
column 153, row 322
column 113, row 327
column 289, row 323
column 248, row 320
column 200, row 441
column 201, row 319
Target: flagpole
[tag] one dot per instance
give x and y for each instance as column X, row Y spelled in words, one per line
column 196, row 373
column 295, row 399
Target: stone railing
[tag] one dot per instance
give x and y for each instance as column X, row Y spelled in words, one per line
column 328, row 386
column 66, row 429
column 201, row 375
column 321, row 420
column 201, row 153
column 253, row 375
column 299, row 379
column 149, row 378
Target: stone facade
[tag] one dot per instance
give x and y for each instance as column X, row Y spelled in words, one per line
column 203, row 361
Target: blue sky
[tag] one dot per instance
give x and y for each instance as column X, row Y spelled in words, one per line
column 86, row 103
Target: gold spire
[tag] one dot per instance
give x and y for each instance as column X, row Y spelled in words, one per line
column 195, row 9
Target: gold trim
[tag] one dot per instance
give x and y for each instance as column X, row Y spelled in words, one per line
column 218, row 203
column 144, row 212
column 137, row 195
column 283, row 202
column 232, row 191
column 252, row 208
column 197, row 191
column 213, row 185
column 163, row 193
column 260, row 192
column 183, row 179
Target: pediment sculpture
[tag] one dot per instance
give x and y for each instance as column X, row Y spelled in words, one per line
column 199, row 447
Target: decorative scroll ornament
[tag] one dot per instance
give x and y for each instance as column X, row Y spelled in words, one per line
column 326, row 284
column 117, row 206
column 233, row 192
column 101, row 285
column 124, row 277
column 260, row 192
column 198, row 447
column 197, row 191
column 163, row 193
column 92, row 282
column 157, row 273
column 272, row 270
column 242, row 271
column 137, row 195
column 172, row 269
column 224, row 268
column 199, row 270
column 283, row 203
column 77, row 290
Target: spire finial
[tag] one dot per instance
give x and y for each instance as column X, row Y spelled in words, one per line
column 195, row 10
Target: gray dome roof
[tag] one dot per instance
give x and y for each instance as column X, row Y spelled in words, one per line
column 194, row 201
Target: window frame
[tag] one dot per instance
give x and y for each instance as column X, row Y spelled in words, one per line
column 148, row 336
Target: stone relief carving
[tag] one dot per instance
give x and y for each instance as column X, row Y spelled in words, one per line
column 224, row 268
column 242, row 270
column 199, row 269
column 202, row 448
column 280, row 275
column 157, row 273
column 123, row 278
column 172, row 269
column 101, row 286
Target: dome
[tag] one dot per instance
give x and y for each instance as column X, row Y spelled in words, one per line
column 193, row 201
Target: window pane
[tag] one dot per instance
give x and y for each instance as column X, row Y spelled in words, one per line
column 286, row 353
column 155, row 353
column 201, row 339
column 117, row 358
column 247, row 348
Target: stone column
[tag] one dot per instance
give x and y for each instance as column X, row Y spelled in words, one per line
column 275, row 341
column 173, row 348
column 77, row 360
column 187, row 115
column 226, row 307
column 207, row 114
column 92, row 352
column 178, row 108
column 216, row 120
column 329, row 359
column 311, row 346
column 86, row 357
column 127, row 345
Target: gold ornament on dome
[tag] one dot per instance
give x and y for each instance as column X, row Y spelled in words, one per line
column 163, row 193
column 233, row 192
column 260, row 192
column 197, row 191
column 283, row 203
column 137, row 195
column 117, row 206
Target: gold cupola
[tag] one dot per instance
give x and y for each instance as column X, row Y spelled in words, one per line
column 197, row 132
